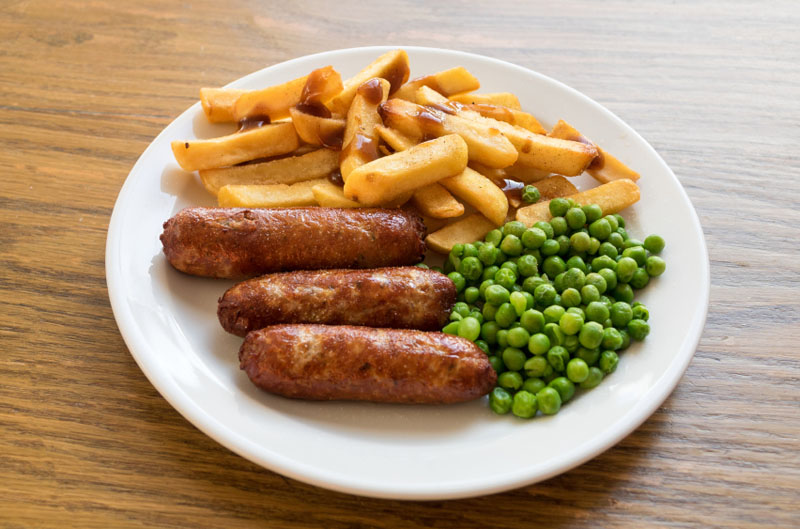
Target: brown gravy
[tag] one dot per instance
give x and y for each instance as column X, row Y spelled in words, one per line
column 371, row 91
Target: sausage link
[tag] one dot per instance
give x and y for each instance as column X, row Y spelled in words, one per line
column 321, row 362
column 406, row 297
column 237, row 243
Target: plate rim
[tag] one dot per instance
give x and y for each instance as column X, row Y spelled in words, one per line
column 289, row 467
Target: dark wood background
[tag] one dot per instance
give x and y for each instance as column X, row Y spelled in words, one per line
column 85, row 440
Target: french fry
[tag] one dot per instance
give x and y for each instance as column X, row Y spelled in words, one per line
column 387, row 178
column 261, row 142
column 505, row 99
column 317, row 130
column 218, row 103
column 435, row 201
column 612, row 197
column 392, row 66
column 535, row 150
column 395, row 139
column 469, row 229
column 526, row 174
column 555, row 186
column 447, row 82
column 330, row 195
column 486, row 144
column 605, row 167
column 509, row 115
column 275, row 101
column 492, row 173
column 360, row 137
column 315, row 164
column 480, row 193
column 268, row 196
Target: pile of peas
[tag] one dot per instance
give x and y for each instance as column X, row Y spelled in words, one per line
column 552, row 305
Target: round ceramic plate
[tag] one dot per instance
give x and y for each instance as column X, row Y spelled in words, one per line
column 168, row 321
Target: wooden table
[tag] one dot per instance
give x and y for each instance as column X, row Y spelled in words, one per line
column 86, row 441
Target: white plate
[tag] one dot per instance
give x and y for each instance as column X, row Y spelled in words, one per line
column 168, row 321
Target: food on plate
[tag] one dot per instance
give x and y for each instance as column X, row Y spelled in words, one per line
column 406, row 297
column 322, row 362
column 392, row 66
column 447, row 82
column 237, row 243
column 552, row 304
column 269, row 196
column 360, row 144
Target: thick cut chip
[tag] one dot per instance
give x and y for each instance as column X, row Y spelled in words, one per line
column 318, row 130
column 392, row 66
column 505, row 99
column 269, row 196
column 605, row 167
column 480, row 193
column 448, row 82
column 329, row 195
column 395, row 139
column 469, row 229
column 555, row 186
column 612, row 197
column 435, row 201
column 509, row 115
column 218, row 103
column 360, row 136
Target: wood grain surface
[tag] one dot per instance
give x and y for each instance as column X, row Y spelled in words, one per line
column 86, row 441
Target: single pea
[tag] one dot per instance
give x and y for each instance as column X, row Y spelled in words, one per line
column 532, row 321
column 496, row 363
column 558, row 282
column 499, row 256
column 472, row 294
column 574, row 278
column 655, row 266
column 483, row 346
column 530, row 283
column 502, row 339
column 608, row 249
column 511, row 264
column 610, row 277
column 597, row 311
column 470, row 250
column 626, row 339
column 640, row 279
column 510, row 380
column 485, row 284
column 632, row 243
column 571, row 343
column 570, row 297
column 518, row 337
column 513, row 358
column 539, row 344
column 461, row 308
column 616, row 239
column 621, row 313
column 577, row 370
column 620, row 220
column 570, row 323
column 524, row 404
column 607, row 324
column 533, row 238
column 471, row 268
column 550, row 247
column 597, row 281
column 518, row 301
column 505, row 277
column 494, row 237
column 545, row 295
column 626, row 267
column 527, row 266
column 500, row 401
column 591, row 334
column 457, row 250
column 624, row 293
column 458, row 280
column 612, row 221
column 496, row 295
column 514, row 227
column 559, row 225
column 489, row 311
column 451, row 328
column 555, row 334
column 545, row 227
column 489, row 332
column 580, row 241
column 594, row 378
column 577, row 310
column 640, row 312
column 654, row 243
column 549, row 401
column 537, row 367
column 534, row 385
column 612, row 339
column 600, row 229
column 608, row 362
column 486, row 254
column 469, row 328
column 638, row 329
column 505, row 315
column 558, row 207
column 576, row 261
column 576, row 218
column 589, row 294
column 529, row 301
column 637, row 253
column 593, row 212
column 603, row 261
column 476, row 313
column 553, row 313
column 530, row 194
column 563, row 245
column 564, row 386
column 511, row 245
column 623, row 233
column 594, row 246
column 590, row 356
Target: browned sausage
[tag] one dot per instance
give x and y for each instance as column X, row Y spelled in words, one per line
column 322, row 362
column 237, row 242
column 405, row 297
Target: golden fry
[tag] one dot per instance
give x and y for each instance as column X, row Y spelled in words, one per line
column 480, row 193
column 261, row 142
column 392, row 66
column 466, row 230
column 509, row 115
column 268, row 196
column 526, row 174
column 218, row 103
column 555, row 186
column 612, row 197
column 330, row 195
column 316, row 130
column 395, row 139
column 435, row 201
column 505, row 99
column 360, row 136
column 447, row 82
column 605, row 167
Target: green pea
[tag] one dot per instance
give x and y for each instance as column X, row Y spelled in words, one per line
column 607, row 323
column 593, row 212
column 590, row 356
column 462, row 308
column 534, row 385
column 616, row 239
column 620, row 220
column 589, row 294
column 637, row 253
column 559, row 225
column 564, row 386
column 477, row 315
column 530, row 194
column 612, row 221
column 451, row 328
column 505, row 277
column 632, row 243
column 458, row 280
column 470, row 250
column 527, row 266
column 483, row 346
column 603, row 261
column 489, row 332
column 550, row 247
column 545, row 227
column 626, row 339
column 655, row 266
column 471, row 268
column 591, row 334
column 621, row 313
column 496, row 295
column 638, row 329
column 537, row 367
column 577, row 370
column 626, row 267
column 489, row 311
column 494, row 237
column 510, row 380
column 609, row 276
column 529, row 301
column 533, row 238
column 496, row 363
column 502, row 339
column 513, row 358
column 580, row 241
column 518, row 301
column 624, row 293
column 597, row 281
column 597, row 311
column 457, row 250
column 485, row 284
column 558, row 282
column 549, row 401
column 570, row 297
column 469, row 328
column 514, row 227
column 558, row 357
column 563, row 245
column 472, row 294
column 570, row 323
column 486, row 254
column 574, row 278
column 532, row 321
column 539, row 344
column 505, row 315
column 654, row 243
column 623, row 233
column 558, row 207
column 530, row 283
column 518, row 337
column 594, row 246
column 553, row 313
column 612, row 339
column 554, row 333
column 576, row 218
column 571, row 343
column 600, row 229
column 640, row 312
column 511, row 245
column 640, row 279
column 500, row 401
column 544, row 294
column 608, row 249
column 524, row 404
column 608, row 362
column 594, row 378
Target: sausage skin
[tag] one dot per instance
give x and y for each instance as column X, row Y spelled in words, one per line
column 322, row 362
column 237, row 243
column 405, row 297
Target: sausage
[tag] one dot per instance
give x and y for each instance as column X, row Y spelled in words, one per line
column 237, row 243
column 406, row 297
column 325, row 362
